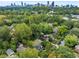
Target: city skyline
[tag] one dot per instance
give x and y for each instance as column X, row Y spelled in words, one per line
column 7, row 3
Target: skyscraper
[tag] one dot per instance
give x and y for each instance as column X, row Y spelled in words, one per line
column 38, row 4
column 12, row 4
column 24, row 4
column 52, row 5
column 21, row 3
column 47, row 3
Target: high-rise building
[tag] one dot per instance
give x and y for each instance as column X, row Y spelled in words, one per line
column 24, row 4
column 52, row 4
column 38, row 4
column 47, row 3
column 12, row 4
column 21, row 3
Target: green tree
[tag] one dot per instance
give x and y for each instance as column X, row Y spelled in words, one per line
column 41, row 9
column 52, row 55
column 47, row 45
column 43, row 54
column 37, row 18
column 71, row 40
column 4, row 45
column 76, row 24
column 37, row 29
column 62, row 52
column 65, row 52
column 21, row 31
column 45, row 28
column 27, row 43
column 13, row 45
column 1, row 19
column 62, row 30
column 69, row 24
column 5, row 33
column 75, row 31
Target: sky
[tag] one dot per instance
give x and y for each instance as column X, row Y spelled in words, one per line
column 62, row 2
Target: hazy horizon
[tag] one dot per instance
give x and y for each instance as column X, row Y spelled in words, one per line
column 6, row 3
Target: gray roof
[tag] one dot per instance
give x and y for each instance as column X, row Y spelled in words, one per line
column 20, row 49
column 37, row 42
column 55, row 30
column 39, row 47
column 9, row 52
column 62, row 43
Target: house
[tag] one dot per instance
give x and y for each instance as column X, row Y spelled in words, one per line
column 6, row 20
column 55, row 30
column 20, row 47
column 75, row 16
column 74, row 19
column 46, row 37
column 51, row 13
column 51, row 38
column 62, row 43
column 77, row 48
column 37, row 44
column 11, row 27
column 51, row 24
column 55, row 46
column 39, row 47
column 9, row 52
column 65, row 18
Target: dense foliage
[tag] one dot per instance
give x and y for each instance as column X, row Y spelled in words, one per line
column 29, row 53
column 37, row 31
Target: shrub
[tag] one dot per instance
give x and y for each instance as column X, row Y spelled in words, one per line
column 65, row 52
column 62, row 30
column 52, row 55
column 43, row 54
column 1, row 19
column 3, row 56
column 71, row 40
column 76, row 24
